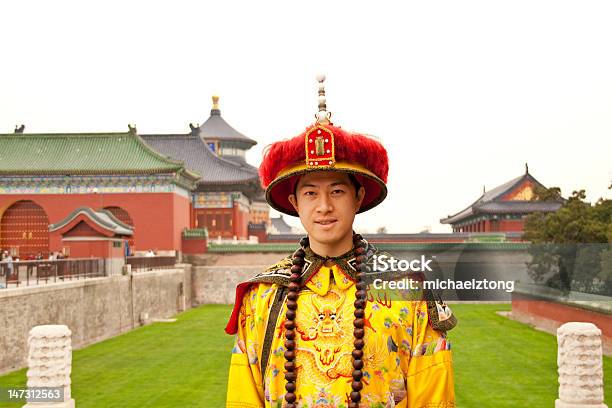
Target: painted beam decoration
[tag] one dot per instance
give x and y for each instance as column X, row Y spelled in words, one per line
column 221, row 199
column 90, row 185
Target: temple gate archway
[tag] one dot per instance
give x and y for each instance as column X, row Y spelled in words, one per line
column 24, row 229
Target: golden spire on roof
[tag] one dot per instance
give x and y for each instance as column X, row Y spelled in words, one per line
column 215, row 100
column 323, row 115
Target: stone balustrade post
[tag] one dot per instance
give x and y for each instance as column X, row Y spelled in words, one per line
column 50, row 363
column 580, row 365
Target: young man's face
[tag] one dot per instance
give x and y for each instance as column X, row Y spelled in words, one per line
column 327, row 202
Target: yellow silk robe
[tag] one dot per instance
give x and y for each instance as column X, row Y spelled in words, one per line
column 407, row 362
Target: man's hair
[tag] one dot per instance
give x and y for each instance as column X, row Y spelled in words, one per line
column 351, row 177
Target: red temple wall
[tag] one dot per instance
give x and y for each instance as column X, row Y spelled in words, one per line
column 511, row 225
column 181, row 217
column 502, row 225
column 241, row 223
column 551, row 315
column 195, row 245
column 86, row 249
column 93, row 249
column 159, row 218
column 236, row 221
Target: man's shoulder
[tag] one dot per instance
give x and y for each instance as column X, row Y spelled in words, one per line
column 372, row 251
column 276, row 274
column 372, row 254
column 283, row 266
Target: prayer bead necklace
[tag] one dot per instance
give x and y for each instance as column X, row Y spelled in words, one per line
column 358, row 322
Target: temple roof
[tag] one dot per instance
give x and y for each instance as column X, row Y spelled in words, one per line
column 102, row 218
column 216, row 128
column 192, row 148
column 83, row 153
column 241, row 161
column 198, row 157
column 500, row 200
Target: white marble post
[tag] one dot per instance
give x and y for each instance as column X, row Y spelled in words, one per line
column 50, row 363
column 580, row 366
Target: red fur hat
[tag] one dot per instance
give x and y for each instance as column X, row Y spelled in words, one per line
column 324, row 147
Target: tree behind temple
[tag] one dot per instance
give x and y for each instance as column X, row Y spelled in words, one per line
column 560, row 255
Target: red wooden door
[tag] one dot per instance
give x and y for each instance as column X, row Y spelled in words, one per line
column 24, row 229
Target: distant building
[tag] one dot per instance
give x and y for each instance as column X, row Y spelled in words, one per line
column 228, row 195
column 45, row 177
column 160, row 185
column 502, row 209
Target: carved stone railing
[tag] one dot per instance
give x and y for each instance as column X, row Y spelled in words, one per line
column 580, row 366
column 49, row 366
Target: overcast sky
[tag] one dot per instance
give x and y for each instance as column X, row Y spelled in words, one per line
column 462, row 94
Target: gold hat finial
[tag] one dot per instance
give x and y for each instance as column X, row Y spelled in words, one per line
column 215, row 100
column 323, row 115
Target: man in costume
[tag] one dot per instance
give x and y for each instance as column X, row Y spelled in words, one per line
column 309, row 333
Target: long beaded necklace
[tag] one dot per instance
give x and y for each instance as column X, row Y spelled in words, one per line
column 358, row 322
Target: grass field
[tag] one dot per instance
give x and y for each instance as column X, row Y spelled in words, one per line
column 498, row 363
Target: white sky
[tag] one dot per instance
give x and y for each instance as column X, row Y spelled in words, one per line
column 461, row 93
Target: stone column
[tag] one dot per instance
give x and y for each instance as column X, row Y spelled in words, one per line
column 580, row 366
column 50, row 363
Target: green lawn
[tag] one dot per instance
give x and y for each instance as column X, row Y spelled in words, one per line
column 498, row 363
